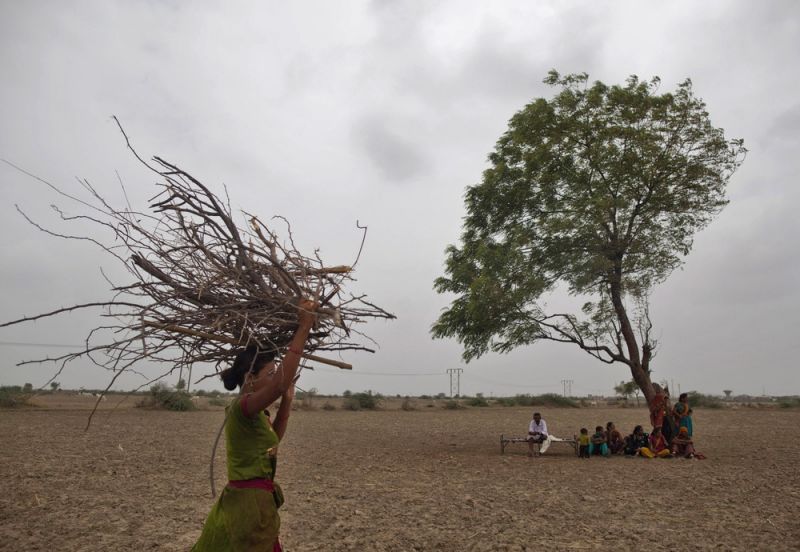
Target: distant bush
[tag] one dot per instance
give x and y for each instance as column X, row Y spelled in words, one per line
column 523, row 400
column 163, row 396
column 789, row 402
column 453, row 405
column 506, row 401
column 12, row 396
column 408, row 404
column 328, row 406
column 703, row 401
column 548, row 399
column 217, row 401
column 361, row 401
column 477, row 401
column 307, row 399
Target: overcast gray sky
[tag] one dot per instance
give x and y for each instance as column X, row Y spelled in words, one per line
column 383, row 112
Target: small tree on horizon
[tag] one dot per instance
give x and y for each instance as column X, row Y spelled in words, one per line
column 626, row 389
column 598, row 191
column 54, row 385
column 727, row 393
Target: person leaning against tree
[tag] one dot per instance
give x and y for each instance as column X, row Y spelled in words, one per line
column 246, row 515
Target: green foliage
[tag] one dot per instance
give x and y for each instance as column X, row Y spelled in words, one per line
column 54, row 385
column 453, row 405
column 626, row 388
column 181, row 385
column 477, row 401
column 547, row 399
column 408, row 405
column 362, row 401
column 163, row 396
column 599, row 189
column 703, row 401
column 13, row 396
column 328, row 406
column 217, row 401
column 27, row 388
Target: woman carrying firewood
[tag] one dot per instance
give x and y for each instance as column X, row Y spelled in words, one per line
column 246, row 515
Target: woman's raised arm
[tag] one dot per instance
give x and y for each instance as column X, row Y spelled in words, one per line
column 283, row 378
column 282, row 416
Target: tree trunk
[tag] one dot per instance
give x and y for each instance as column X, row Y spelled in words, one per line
column 639, row 363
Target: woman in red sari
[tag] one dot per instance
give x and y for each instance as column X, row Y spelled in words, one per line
column 657, row 446
column 658, row 406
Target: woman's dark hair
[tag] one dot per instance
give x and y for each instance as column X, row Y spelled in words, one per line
column 598, row 429
column 250, row 359
column 609, row 424
column 638, row 428
column 683, row 396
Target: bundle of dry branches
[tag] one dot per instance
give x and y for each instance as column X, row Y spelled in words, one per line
column 203, row 287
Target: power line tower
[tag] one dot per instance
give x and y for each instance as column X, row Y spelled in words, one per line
column 567, row 384
column 457, row 387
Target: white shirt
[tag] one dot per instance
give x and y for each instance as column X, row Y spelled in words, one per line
column 541, row 427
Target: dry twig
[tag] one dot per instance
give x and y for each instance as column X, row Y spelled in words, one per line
column 202, row 286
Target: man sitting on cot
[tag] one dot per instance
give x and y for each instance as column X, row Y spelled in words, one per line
column 537, row 433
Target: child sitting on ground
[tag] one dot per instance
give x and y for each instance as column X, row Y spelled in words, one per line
column 583, row 443
column 598, row 445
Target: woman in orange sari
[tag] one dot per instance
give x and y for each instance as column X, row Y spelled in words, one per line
column 682, row 445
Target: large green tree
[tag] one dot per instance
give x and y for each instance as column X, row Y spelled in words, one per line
column 599, row 191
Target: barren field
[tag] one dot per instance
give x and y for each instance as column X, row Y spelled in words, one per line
column 430, row 479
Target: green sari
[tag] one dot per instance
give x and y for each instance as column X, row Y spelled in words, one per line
column 245, row 519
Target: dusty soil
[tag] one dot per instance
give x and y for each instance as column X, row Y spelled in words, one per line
column 430, row 479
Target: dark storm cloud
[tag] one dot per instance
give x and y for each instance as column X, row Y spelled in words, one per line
column 394, row 155
column 784, row 130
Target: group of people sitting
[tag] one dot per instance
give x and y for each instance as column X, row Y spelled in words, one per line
column 671, row 435
column 609, row 441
